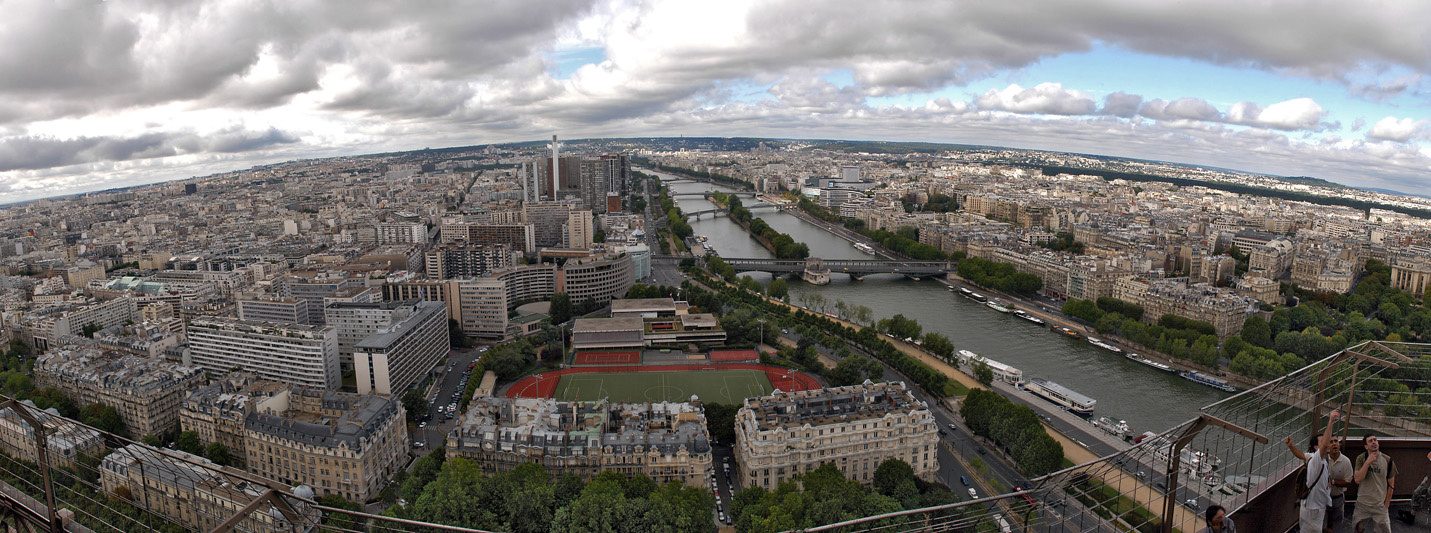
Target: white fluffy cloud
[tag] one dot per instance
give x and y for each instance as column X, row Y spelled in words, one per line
column 1399, row 129
column 1045, row 98
column 1296, row 114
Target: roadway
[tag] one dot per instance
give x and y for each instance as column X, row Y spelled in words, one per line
column 449, row 379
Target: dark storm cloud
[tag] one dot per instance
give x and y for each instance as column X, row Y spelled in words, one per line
column 34, row 152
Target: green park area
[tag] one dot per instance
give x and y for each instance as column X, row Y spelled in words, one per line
column 712, row 386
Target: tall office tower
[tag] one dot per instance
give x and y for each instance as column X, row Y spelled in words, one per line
column 556, row 162
column 579, row 230
column 616, row 168
column 547, row 219
column 302, row 355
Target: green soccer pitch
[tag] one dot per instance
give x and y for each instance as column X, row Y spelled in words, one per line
column 712, row 386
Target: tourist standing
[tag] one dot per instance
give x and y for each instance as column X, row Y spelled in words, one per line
column 1376, row 475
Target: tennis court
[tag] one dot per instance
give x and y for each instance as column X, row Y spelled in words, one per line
column 607, row 358
column 712, row 386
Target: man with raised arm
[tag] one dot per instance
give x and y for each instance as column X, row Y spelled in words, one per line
column 1318, row 481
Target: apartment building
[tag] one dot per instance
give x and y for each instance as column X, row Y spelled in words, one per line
column 400, row 233
column 520, row 237
column 1225, row 309
column 146, row 392
column 665, row 441
column 290, row 353
column 448, row 262
column 403, row 350
column 65, row 440
column 601, row 278
column 217, row 412
column 855, row 428
column 335, row 442
column 263, row 308
column 192, row 490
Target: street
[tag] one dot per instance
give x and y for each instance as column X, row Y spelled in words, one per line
column 449, row 378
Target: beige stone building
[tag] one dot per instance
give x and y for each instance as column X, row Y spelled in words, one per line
column 855, row 428
column 335, row 442
column 147, row 392
column 192, row 490
column 217, row 412
column 666, row 441
column 64, row 439
column 1223, row 308
column 1411, row 273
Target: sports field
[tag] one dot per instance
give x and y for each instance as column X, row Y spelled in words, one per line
column 718, row 386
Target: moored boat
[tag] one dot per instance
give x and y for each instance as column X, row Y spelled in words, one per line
column 1117, row 428
column 1144, row 360
column 1199, row 377
column 1099, row 343
column 972, row 295
column 1026, row 316
column 1076, row 403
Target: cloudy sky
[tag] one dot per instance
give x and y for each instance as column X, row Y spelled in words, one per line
column 97, row 94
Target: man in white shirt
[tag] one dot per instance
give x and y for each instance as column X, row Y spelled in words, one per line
column 1318, row 481
column 1342, row 477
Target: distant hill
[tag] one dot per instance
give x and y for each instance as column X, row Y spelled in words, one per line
column 1391, row 191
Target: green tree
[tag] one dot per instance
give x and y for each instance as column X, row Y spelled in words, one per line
column 151, row 440
column 1084, row 309
column 778, row 288
column 103, row 418
column 720, row 419
column 901, row 327
column 218, row 453
column 188, row 442
column 458, row 496
column 455, row 337
column 424, row 471
column 18, row 384
column 1256, row 331
column 983, row 373
column 415, row 402
column 340, row 521
column 939, row 344
column 855, row 369
column 891, row 475
column 561, row 308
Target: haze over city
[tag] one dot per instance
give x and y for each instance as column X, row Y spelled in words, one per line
column 96, row 95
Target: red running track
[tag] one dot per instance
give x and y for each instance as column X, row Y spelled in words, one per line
column 544, row 385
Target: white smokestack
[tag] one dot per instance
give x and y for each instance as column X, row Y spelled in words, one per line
column 556, row 165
